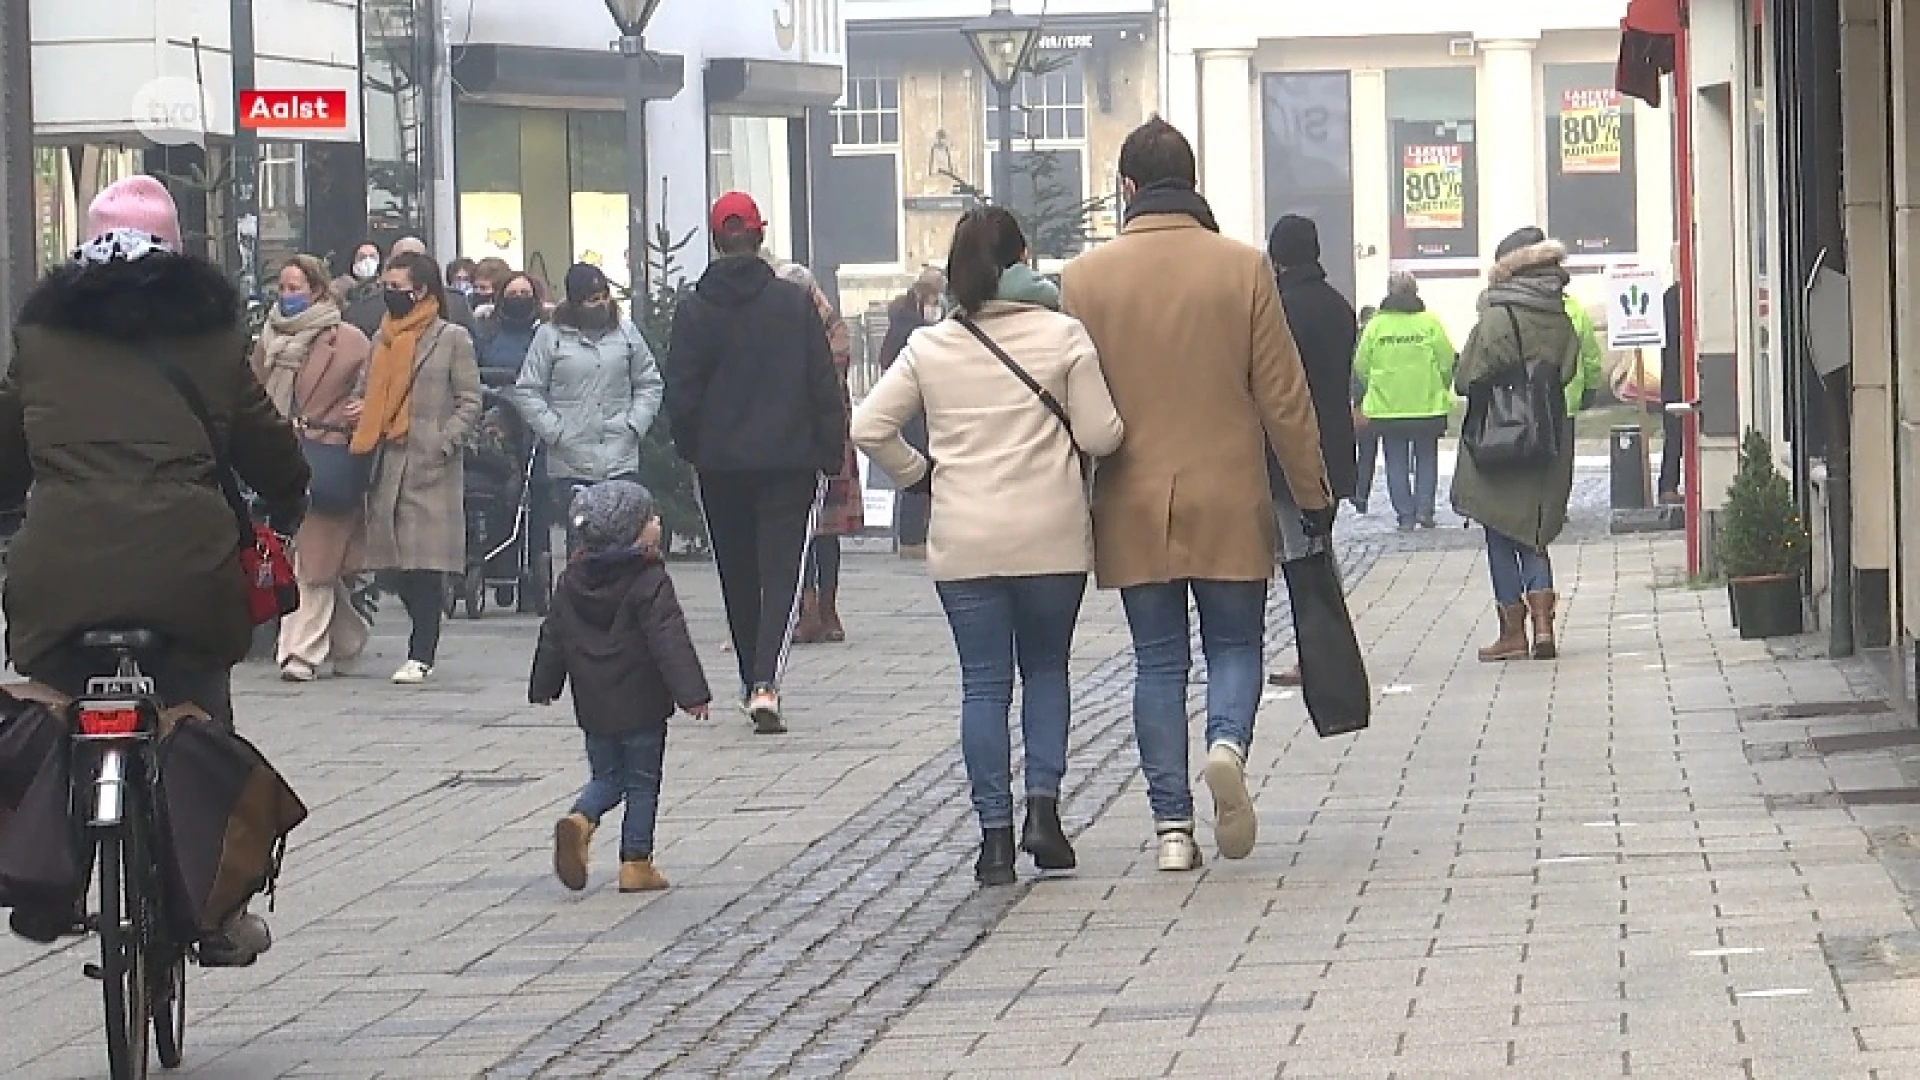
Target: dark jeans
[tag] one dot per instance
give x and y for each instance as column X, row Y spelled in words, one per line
column 1672, row 452
column 1233, row 635
column 424, row 594
column 174, row 682
column 999, row 624
column 1368, row 443
column 760, row 524
column 625, row 768
column 1413, row 466
column 1516, row 569
column 912, row 513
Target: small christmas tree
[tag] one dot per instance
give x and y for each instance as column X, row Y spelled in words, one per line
column 1761, row 533
column 662, row 470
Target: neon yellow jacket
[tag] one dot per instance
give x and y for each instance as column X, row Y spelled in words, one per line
column 1593, row 374
column 1406, row 362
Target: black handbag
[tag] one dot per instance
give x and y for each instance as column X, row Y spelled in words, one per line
column 1515, row 423
column 1333, row 673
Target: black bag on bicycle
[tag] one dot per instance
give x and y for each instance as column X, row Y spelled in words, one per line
column 1515, row 423
column 42, row 864
column 226, row 814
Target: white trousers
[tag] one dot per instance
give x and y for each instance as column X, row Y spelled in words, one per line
column 324, row 628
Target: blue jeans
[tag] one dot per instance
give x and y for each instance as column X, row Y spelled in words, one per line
column 1233, row 617
column 998, row 624
column 625, row 768
column 1516, row 568
column 1413, row 474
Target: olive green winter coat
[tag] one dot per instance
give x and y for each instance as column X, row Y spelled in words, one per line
column 1528, row 506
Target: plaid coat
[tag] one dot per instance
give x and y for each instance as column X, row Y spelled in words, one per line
column 416, row 516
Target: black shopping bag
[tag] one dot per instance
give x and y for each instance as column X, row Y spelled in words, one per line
column 1333, row 675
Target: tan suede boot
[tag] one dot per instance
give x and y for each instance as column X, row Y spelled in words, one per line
column 830, row 629
column 1513, row 643
column 809, row 631
column 572, row 837
column 1541, row 607
column 639, row 875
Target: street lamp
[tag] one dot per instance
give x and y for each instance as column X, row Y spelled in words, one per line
column 632, row 17
column 1003, row 42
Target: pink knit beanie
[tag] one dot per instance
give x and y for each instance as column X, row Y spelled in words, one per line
column 130, row 218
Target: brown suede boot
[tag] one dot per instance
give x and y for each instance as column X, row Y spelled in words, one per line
column 571, row 840
column 809, row 631
column 1513, row 636
column 1541, row 606
column 639, row 875
column 830, row 628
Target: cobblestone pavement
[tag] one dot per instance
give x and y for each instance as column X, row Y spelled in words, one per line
column 1636, row 861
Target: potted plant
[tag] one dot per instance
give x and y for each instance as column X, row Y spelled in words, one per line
column 1763, row 546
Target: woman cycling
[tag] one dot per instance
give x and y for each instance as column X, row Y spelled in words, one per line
column 126, row 526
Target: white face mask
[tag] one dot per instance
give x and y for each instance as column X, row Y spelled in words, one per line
column 366, row 268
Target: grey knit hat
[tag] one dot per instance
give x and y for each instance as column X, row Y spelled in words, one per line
column 609, row 516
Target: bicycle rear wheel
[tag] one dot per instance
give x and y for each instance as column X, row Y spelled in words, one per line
column 170, row 1011
column 123, row 955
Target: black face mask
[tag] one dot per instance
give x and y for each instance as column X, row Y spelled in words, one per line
column 594, row 318
column 517, row 309
column 400, row 303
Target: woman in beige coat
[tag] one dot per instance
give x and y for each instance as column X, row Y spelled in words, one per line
column 422, row 404
column 312, row 364
column 1011, row 583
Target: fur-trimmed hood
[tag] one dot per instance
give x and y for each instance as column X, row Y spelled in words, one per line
column 1547, row 253
column 158, row 296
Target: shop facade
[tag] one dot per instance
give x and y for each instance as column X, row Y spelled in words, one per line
column 156, row 95
column 1420, row 149
column 915, row 138
column 738, row 92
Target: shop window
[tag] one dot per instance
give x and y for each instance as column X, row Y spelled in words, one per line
column 1048, row 167
column 396, row 59
column 1308, row 161
column 857, row 197
column 1434, row 163
column 751, row 154
column 1592, row 185
column 869, row 114
column 283, row 204
column 487, row 166
column 597, row 184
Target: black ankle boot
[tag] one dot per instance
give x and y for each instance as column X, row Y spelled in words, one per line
column 995, row 866
column 1043, row 838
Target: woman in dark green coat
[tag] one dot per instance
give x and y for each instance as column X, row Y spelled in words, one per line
column 1523, row 510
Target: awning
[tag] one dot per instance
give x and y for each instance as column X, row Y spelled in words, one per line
column 774, row 85
column 543, row 78
column 1648, row 36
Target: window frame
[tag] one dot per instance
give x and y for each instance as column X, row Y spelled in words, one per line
column 851, row 107
column 899, row 211
column 1075, row 64
column 1553, row 82
column 1471, row 164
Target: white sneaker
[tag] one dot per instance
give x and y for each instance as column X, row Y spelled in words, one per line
column 1178, row 852
column 412, row 673
column 1235, row 825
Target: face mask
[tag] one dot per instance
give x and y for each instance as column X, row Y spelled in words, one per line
column 294, row 305
column 932, row 312
column 464, row 288
column 517, row 308
column 400, row 303
column 366, row 268
column 595, row 318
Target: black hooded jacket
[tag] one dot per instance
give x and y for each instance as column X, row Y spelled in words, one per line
column 1326, row 330
column 617, row 635
column 125, row 524
column 751, row 384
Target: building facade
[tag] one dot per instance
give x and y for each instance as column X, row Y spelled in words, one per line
column 915, row 138
column 121, row 87
column 1420, row 148
column 739, row 91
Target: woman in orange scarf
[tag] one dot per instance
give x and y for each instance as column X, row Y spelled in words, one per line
column 422, row 404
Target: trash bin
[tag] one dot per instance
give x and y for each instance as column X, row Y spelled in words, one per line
column 1629, row 468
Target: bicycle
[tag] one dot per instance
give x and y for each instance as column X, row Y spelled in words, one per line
column 142, row 968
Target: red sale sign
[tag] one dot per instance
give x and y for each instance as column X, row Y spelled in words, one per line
column 303, row 109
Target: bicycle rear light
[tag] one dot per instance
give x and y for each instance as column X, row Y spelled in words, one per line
column 109, row 721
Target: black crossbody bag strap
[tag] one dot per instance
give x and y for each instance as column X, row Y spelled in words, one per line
column 1046, row 396
column 223, row 469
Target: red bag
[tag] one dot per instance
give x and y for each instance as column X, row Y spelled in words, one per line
column 272, row 592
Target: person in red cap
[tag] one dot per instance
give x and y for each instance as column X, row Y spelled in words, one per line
column 754, row 404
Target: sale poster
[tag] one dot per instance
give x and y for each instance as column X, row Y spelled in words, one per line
column 1589, row 132
column 1434, row 183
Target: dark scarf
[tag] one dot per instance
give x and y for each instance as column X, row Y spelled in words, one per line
column 1172, row 197
column 1537, row 288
